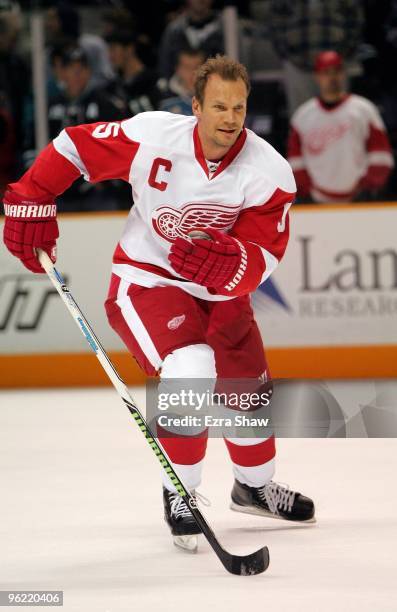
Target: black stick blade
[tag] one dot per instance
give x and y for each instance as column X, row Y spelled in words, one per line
column 247, row 565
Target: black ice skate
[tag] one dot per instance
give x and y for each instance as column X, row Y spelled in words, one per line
column 274, row 500
column 180, row 520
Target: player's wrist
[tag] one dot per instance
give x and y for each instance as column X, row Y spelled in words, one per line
column 240, row 268
column 224, row 264
column 252, row 275
column 19, row 207
column 30, row 224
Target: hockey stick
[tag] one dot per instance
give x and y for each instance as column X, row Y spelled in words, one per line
column 245, row 565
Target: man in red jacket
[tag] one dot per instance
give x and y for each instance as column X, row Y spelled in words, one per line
column 338, row 146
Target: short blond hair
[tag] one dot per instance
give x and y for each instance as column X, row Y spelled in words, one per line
column 225, row 67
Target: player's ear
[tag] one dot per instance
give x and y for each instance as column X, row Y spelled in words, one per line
column 196, row 107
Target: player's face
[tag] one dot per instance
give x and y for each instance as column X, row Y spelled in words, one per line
column 222, row 114
column 331, row 82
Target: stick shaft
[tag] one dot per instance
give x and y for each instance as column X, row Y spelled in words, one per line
column 122, row 390
column 109, row 368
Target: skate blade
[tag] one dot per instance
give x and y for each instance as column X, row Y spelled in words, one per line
column 258, row 512
column 188, row 543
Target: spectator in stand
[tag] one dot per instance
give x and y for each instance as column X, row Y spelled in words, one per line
column 378, row 56
column 81, row 102
column 14, row 86
column 138, row 82
column 378, row 82
column 63, row 29
column 199, row 27
column 338, row 147
column 300, row 29
column 387, row 66
column 149, row 18
column 121, row 19
column 116, row 19
column 178, row 92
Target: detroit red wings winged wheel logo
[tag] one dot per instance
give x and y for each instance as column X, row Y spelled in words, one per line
column 171, row 222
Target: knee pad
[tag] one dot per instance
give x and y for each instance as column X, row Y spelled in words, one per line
column 193, row 361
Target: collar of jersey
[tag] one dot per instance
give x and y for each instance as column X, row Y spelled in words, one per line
column 336, row 106
column 226, row 161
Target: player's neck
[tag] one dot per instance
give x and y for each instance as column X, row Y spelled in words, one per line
column 211, row 151
column 332, row 99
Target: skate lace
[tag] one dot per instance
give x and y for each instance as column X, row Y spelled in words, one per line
column 179, row 508
column 277, row 496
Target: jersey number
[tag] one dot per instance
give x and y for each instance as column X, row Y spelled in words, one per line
column 106, row 129
column 281, row 224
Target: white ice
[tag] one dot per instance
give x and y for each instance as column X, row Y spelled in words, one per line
column 81, row 511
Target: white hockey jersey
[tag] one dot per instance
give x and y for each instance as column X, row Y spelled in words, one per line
column 247, row 195
column 338, row 146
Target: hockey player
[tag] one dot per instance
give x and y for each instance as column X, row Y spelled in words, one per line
column 338, row 146
column 182, row 305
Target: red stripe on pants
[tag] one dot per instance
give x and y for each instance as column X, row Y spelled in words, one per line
column 255, row 454
column 185, row 450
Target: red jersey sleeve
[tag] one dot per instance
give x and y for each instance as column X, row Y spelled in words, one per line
column 98, row 151
column 50, row 175
column 380, row 157
column 264, row 232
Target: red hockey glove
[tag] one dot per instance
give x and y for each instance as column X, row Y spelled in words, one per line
column 30, row 224
column 218, row 263
column 373, row 180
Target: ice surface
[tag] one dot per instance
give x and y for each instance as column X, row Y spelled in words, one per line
column 81, row 511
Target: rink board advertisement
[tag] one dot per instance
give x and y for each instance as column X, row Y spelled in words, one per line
column 329, row 310
column 337, row 284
